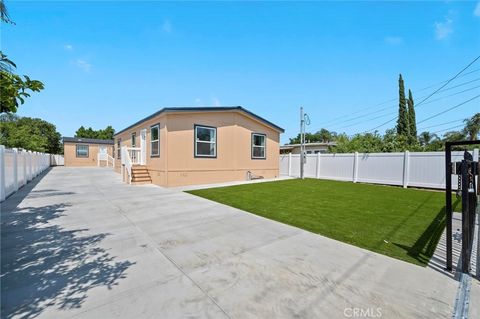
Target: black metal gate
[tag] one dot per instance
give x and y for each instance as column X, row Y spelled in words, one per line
column 467, row 170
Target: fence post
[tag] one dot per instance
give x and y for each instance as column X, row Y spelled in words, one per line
column 355, row 167
column 29, row 162
column 15, row 169
column 25, row 177
column 406, row 168
column 289, row 164
column 2, row 173
column 318, row 166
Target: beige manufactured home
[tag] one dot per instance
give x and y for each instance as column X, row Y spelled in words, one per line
column 198, row 145
column 87, row 152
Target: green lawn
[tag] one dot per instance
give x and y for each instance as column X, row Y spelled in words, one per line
column 401, row 223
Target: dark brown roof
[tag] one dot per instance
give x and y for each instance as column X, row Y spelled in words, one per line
column 203, row 109
column 86, row 140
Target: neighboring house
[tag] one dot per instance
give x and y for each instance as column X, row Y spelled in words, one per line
column 198, row 145
column 87, row 151
column 310, row 148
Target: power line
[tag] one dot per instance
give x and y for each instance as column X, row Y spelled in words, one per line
column 395, row 99
column 448, row 129
column 449, row 109
column 441, row 124
column 430, row 95
column 390, row 113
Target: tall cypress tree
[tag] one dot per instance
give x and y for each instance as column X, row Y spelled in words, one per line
column 412, row 122
column 402, row 121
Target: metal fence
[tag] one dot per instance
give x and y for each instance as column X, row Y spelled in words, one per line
column 18, row 167
column 415, row 169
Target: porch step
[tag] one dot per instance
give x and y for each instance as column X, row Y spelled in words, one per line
column 140, row 175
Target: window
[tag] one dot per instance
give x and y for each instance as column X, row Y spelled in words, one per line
column 309, row 152
column 119, row 148
column 82, row 150
column 205, row 141
column 258, row 146
column 155, row 140
column 134, row 137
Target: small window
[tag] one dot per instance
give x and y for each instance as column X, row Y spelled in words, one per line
column 119, row 148
column 309, row 152
column 134, row 137
column 258, row 146
column 205, row 141
column 155, row 140
column 82, row 150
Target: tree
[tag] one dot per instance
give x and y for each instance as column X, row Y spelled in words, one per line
column 14, row 89
column 472, row 127
column 402, row 121
column 4, row 13
column 426, row 138
column 454, row 136
column 32, row 134
column 412, row 121
column 105, row 134
column 323, row 135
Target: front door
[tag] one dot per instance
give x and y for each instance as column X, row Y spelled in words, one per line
column 103, row 150
column 143, row 146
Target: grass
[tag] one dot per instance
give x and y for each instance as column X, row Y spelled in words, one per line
column 401, row 223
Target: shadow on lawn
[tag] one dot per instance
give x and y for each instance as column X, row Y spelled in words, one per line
column 424, row 247
column 43, row 264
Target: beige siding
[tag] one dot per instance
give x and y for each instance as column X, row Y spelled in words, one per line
column 177, row 165
column 70, row 154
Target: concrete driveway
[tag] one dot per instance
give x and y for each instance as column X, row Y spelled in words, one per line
column 78, row 243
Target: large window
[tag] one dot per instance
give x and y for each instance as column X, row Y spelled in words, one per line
column 205, row 141
column 155, row 140
column 258, row 146
column 134, row 139
column 119, row 148
column 82, row 150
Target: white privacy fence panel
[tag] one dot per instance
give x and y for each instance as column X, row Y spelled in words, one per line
column 336, row 166
column 417, row 169
column 57, row 160
column 381, row 168
column 18, row 167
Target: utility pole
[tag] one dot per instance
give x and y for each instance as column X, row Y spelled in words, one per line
column 304, row 120
column 302, row 141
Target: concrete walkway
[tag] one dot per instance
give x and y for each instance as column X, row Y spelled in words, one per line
column 78, row 243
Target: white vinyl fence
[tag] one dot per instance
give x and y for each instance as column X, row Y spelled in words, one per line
column 18, row 167
column 415, row 169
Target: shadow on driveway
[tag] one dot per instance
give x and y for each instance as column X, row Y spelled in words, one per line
column 43, row 264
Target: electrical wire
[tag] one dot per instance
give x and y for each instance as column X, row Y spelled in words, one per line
column 448, row 110
column 430, row 95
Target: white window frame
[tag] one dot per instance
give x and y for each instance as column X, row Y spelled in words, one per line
column 119, row 148
column 196, row 141
column 264, row 146
column 134, row 139
column 82, row 145
column 157, row 126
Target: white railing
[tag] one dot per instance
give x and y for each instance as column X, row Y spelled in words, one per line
column 135, row 154
column 415, row 169
column 110, row 160
column 130, row 156
column 18, row 167
column 105, row 157
column 101, row 157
